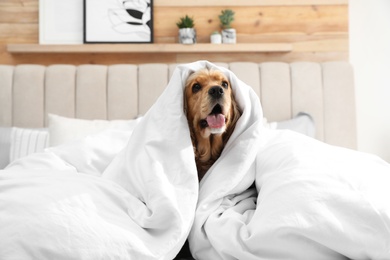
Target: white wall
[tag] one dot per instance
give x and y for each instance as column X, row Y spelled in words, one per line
column 369, row 23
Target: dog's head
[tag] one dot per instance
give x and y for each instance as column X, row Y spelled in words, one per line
column 210, row 104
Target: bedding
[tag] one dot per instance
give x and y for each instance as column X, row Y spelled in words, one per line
column 18, row 142
column 273, row 194
column 64, row 129
column 302, row 123
column 27, row 141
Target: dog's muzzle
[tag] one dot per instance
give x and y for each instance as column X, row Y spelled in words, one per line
column 216, row 92
column 216, row 121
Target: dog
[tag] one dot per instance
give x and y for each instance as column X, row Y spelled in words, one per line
column 212, row 114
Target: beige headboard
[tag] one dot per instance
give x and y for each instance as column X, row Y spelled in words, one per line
column 123, row 91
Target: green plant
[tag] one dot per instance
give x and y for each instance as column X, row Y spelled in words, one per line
column 185, row 22
column 226, row 18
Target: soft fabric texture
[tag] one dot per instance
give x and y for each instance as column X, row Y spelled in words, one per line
column 16, row 142
column 302, row 123
column 90, row 155
column 19, row 142
column 65, row 129
column 271, row 195
column 27, row 141
column 311, row 201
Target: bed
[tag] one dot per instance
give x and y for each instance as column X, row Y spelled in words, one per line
column 100, row 166
column 29, row 93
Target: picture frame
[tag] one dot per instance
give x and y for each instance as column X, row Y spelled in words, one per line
column 118, row 21
column 60, row 22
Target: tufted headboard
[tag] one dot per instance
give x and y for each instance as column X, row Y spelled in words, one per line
column 123, row 91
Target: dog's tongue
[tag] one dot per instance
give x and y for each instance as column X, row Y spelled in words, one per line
column 216, row 121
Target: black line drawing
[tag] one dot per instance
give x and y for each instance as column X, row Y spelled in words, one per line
column 133, row 16
column 118, row 21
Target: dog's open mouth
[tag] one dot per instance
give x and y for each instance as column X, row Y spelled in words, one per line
column 215, row 120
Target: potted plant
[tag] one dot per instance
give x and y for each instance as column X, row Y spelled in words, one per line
column 216, row 37
column 187, row 32
column 228, row 33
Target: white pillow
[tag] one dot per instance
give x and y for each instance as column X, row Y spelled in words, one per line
column 64, row 129
column 92, row 154
column 302, row 123
column 26, row 141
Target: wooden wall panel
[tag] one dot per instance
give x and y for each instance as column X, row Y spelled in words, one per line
column 318, row 30
column 258, row 21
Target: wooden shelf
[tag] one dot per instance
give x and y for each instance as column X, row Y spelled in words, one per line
column 248, row 2
column 150, row 48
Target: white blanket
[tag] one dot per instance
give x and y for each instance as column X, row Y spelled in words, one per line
column 134, row 195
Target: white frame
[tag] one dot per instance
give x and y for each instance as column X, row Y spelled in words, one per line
column 52, row 31
column 107, row 21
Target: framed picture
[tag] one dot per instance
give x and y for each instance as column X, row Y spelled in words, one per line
column 118, row 21
column 60, row 22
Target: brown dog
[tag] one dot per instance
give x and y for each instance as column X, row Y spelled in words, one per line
column 212, row 113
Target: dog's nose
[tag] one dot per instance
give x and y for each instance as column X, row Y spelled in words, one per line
column 216, row 92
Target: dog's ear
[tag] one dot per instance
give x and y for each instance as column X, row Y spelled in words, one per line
column 236, row 108
column 185, row 106
column 234, row 116
column 188, row 79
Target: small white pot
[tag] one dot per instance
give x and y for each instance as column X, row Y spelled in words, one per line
column 216, row 38
column 187, row 35
column 229, row 35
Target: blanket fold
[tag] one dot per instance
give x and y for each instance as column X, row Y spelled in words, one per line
column 312, row 201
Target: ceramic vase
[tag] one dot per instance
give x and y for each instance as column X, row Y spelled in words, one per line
column 187, row 35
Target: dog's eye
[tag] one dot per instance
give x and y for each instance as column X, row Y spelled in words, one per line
column 225, row 84
column 196, row 87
